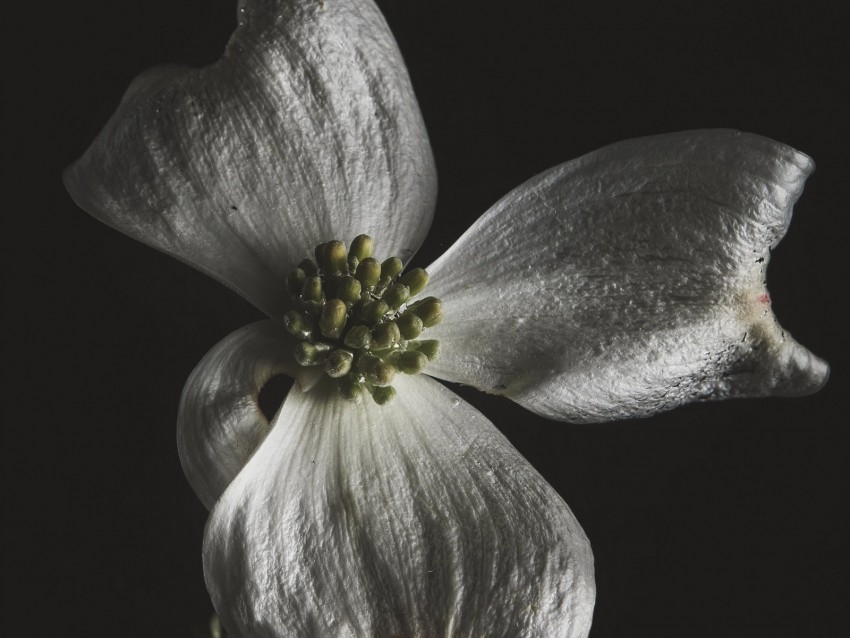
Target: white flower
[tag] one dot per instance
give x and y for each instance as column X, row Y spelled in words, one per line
column 623, row 283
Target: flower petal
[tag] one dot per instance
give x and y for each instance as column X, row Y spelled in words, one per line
column 220, row 424
column 628, row 281
column 413, row 519
column 306, row 130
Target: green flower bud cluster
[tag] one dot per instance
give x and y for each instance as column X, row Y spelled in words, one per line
column 357, row 318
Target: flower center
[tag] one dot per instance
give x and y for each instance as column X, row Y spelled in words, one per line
column 356, row 318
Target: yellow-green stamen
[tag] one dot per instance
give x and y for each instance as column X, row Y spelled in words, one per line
column 357, row 318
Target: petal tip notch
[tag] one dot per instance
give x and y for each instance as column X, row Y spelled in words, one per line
column 799, row 372
column 774, row 364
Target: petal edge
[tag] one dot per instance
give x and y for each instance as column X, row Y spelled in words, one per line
column 219, row 422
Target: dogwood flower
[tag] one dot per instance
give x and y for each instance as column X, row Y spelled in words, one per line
column 617, row 285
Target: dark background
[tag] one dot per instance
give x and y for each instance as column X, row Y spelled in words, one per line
column 723, row 519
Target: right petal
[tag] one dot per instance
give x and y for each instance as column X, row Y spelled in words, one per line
column 417, row 518
column 219, row 423
column 628, row 281
column 306, row 130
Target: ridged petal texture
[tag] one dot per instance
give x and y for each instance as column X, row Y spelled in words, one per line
column 220, row 424
column 413, row 519
column 306, row 130
column 628, row 281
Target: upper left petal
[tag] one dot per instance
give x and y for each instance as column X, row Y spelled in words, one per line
column 306, row 130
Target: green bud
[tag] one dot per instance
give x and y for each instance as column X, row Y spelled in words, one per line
column 381, row 374
column 308, row 267
column 383, row 283
column 349, row 290
column 319, row 253
column 366, row 363
column 338, row 363
column 410, row 325
column 368, row 272
column 295, row 281
column 297, row 325
column 310, row 354
column 312, row 290
column 359, row 337
column 430, row 310
column 396, row 295
column 383, row 395
column 385, row 335
column 314, row 308
column 429, row 347
column 416, row 280
column 332, row 320
column 374, row 310
column 391, row 267
column 350, row 389
column 361, row 247
column 334, row 258
column 411, row 361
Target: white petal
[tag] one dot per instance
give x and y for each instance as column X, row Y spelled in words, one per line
column 220, row 424
column 628, row 281
column 306, row 130
column 415, row 519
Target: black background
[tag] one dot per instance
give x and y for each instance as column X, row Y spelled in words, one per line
column 723, row 519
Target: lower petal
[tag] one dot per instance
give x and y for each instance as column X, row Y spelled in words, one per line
column 413, row 519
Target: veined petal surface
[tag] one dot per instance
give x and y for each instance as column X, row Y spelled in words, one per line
column 412, row 519
column 305, row 130
column 220, row 424
column 628, row 281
